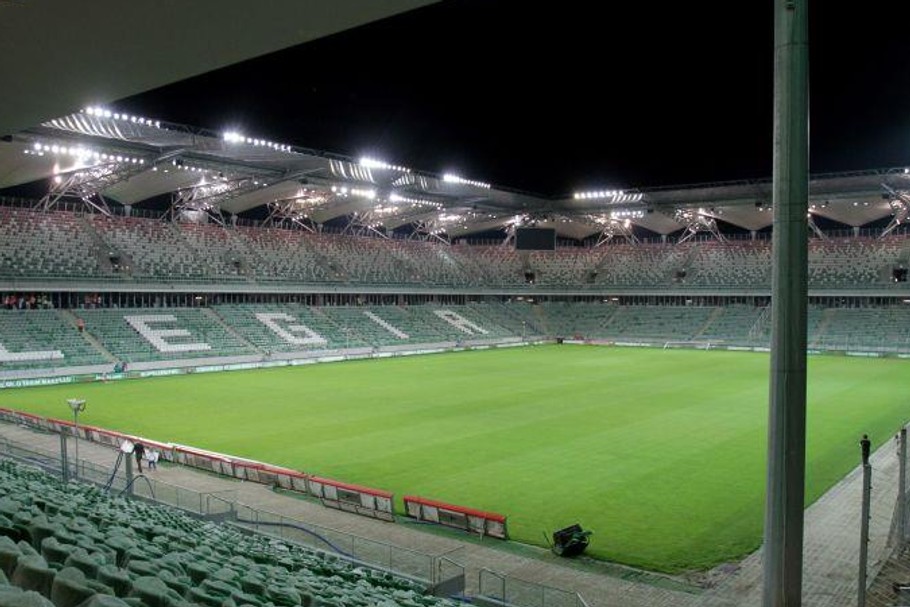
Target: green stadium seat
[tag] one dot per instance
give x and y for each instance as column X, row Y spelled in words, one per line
column 88, row 563
column 180, row 585
column 33, row 573
column 103, row 600
column 15, row 597
column 55, row 552
column 153, row 592
column 9, row 554
column 69, row 588
column 117, row 579
column 198, row 595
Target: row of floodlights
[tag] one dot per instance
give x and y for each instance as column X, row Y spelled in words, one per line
column 449, row 218
column 360, row 192
column 82, row 153
column 452, row 178
column 610, row 195
column 627, row 214
column 370, row 194
column 106, row 113
column 235, row 137
column 373, row 163
column 397, row 198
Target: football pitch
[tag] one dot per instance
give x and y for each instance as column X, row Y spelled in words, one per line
column 660, row 452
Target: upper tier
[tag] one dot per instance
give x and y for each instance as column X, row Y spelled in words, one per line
column 62, row 246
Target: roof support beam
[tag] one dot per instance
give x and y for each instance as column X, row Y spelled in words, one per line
column 810, row 219
column 364, row 223
column 287, row 210
column 698, row 222
column 73, row 187
column 616, row 229
column 429, row 230
column 900, row 204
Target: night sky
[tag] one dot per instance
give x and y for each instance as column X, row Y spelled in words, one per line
column 558, row 96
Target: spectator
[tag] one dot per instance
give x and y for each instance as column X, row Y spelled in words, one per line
column 152, row 458
column 139, row 452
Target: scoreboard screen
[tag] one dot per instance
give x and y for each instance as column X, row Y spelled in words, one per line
column 535, row 239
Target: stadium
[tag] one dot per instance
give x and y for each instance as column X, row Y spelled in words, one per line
column 375, row 384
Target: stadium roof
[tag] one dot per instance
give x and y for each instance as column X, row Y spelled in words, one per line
column 58, row 55
column 100, row 155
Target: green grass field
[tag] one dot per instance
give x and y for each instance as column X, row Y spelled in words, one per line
column 660, row 452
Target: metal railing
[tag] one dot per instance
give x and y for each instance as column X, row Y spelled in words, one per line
column 224, row 506
column 508, row 590
column 377, row 554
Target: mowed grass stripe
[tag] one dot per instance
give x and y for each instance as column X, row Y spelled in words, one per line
column 661, row 453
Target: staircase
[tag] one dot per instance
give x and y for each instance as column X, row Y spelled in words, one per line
column 822, row 326
column 72, row 319
column 101, row 249
column 542, row 322
column 608, row 318
column 757, row 330
column 685, row 264
column 717, row 313
column 332, row 272
column 231, row 330
column 396, row 332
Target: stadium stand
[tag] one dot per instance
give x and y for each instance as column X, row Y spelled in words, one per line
column 148, row 249
column 61, row 245
column 29, row 333
column 192, row 332
column 577, row 320
column 852, row 261
column 285, row 327
column 515, row 317
column 142, row 253
column 35, row 339
column 46, row 245
column 741, row 264
column 280, row 255
column 74, row 544
column 639, row 265
column 498, row 266
column 224, row 255
column 657, row 323
column 735, row 324
column 875, row 329
column 364, row 260
column 565, row 266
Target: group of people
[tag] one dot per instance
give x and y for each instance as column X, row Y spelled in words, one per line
column 25, row 302
column 150, row 456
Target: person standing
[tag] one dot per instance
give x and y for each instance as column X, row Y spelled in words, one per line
column 152, row 459
column 139, row 452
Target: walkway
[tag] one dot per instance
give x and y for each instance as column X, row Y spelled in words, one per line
column 831, row 538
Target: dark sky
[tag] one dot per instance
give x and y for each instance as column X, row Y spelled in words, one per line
column 556, row 96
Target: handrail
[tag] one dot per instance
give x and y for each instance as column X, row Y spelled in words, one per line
column 499, row 576
column 437, row 569
column 430, row 565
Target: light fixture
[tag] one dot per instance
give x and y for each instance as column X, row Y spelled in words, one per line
column 373, row 163
column 101, row 112
column 452, row 178
column 610, row 196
